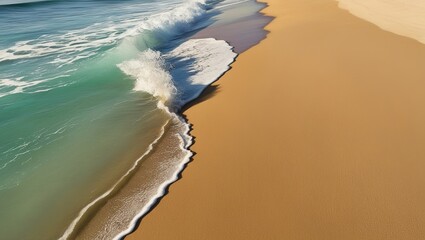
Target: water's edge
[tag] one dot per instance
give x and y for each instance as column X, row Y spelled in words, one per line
column 149, row 178
column 264, row 20
column 122, row 194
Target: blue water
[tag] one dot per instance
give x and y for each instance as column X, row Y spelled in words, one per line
column 87, row 89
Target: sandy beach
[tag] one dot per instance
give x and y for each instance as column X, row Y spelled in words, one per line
column 316, row 133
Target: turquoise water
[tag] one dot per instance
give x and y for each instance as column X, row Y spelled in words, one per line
column 87, row 88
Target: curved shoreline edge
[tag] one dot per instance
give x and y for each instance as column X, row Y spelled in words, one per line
column 160, row 167
column 339, row 154
column 164, row 189
column 186, row 141
column 70, row 230
column 88, row 223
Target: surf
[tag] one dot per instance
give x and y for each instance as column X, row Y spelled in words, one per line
column 98, row 106
column 21, row 2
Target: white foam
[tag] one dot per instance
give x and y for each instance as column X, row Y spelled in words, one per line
column 17, row 84
column 74, row 223
column 210, row 58
column 403, row 17
column 151, row 76
column 177, row 20
column 69, row 47
column 11, row 83
column 13, row 2
column 185, row 142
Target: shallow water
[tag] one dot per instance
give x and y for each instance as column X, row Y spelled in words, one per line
column 88, row 90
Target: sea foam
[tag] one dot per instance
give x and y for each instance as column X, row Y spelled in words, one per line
column 174, row 77
column 209, row 59
column 16, row 2
column 150, row 73
column 97, row 60
column 72, row 46
column 12, row 86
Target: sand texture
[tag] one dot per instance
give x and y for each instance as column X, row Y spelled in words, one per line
column 404, row 17
column 318, row 132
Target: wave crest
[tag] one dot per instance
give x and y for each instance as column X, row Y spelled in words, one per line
column 199, row 62
column 83, row 43
column 151, row 76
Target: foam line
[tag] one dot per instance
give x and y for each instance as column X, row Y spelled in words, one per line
column 74, row 223
column 210, row 59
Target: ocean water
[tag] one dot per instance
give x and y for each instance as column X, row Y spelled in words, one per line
column 90, row 134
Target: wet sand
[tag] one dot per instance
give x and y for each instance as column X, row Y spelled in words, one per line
column 318, row 132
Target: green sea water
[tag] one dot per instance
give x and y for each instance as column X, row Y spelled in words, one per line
column 87, row 88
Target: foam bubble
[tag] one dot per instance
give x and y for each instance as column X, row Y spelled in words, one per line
column 13, row 86
column 70, row 47
column 204, row 61
column 208, row 59
column 151, row 76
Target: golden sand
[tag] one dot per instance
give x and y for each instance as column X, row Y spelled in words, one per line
column 404, row 17
column 318, row 132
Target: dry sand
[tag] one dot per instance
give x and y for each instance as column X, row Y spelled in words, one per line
column 318, row 132
column 404, row 17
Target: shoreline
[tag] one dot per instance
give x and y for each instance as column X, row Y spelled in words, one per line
column 152, row 174
column 318, row 169
column 109, row 203
column 108, row 212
